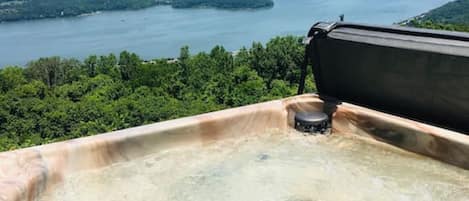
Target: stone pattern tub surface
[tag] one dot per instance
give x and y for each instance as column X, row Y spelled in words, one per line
column 27, row 174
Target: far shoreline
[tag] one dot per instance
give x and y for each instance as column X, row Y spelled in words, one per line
column 97, row 12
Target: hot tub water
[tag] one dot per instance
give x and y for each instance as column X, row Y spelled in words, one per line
column 272, row 167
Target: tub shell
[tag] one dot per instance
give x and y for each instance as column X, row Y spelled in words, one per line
column 27, row 173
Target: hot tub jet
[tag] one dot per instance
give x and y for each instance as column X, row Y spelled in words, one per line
column 312, row 122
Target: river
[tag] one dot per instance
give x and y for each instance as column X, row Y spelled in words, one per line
column 160, row 31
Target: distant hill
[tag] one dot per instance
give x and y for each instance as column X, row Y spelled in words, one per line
column 455, row 12
column 453, row 16
column 13, row 10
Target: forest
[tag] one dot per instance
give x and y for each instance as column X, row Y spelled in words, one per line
column 13, row 10
column 53, row 99
column 30, row 9
column 454, row 12
column 428, row 24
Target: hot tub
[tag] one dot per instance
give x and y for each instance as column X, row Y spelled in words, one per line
column 415, row 82
column 249, row 153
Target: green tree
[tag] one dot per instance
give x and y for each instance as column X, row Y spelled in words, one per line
column 223, row 59
column 184, row 54
column 90, row 65
column 47, row 70
column 11, row 77
column 280, row 59
column 248, row 87
column 71, row 69
column 55, row 99
column 107, row 64
column 33, row 89
column 53, row 70
column 128, row 63
column 184, row 57
column 438, row 25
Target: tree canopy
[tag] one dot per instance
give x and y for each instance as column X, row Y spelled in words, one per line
column 428, row 24
column 53, row 99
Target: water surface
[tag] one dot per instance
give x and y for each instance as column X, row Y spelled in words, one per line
column 161, row 31
column 273, row 167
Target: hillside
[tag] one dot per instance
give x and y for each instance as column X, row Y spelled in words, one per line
column 13, row 10
column 455, row 12
column 427, row 24
column 453, row 16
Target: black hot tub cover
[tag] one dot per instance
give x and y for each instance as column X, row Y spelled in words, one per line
column 416, row 73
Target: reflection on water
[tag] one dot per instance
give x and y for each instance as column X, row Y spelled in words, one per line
column 271, row 167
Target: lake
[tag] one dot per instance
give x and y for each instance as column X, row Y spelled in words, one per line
column 160, row 31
